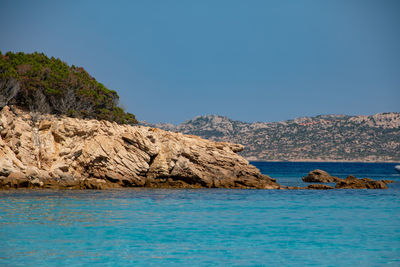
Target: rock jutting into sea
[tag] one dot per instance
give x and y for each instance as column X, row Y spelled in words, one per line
column 320, row 176
column 351, row 182
column 46, row 151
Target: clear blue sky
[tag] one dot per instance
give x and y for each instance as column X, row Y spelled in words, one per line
column 249, row 60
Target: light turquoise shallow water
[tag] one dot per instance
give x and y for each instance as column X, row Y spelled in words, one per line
column 205, row 227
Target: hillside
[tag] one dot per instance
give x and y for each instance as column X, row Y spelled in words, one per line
column 41, row 84
column 320, row 138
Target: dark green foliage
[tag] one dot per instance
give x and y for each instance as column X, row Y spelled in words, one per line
column 49, row 85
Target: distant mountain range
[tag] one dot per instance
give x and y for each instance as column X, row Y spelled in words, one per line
column 373, row 138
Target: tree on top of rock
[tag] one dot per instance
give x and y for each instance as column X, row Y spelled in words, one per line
column 49, row 85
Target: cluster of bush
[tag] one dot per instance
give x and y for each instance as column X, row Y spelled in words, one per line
column 49, row 85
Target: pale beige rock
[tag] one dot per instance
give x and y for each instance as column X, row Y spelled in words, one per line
column 75, row 153
column 17, row 176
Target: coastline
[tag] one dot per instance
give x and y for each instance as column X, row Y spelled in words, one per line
column 323, row 161
column 71, row 153
column 60, row 152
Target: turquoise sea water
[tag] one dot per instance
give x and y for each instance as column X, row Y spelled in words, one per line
column 208, row 227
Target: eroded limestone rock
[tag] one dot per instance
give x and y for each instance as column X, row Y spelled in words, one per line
column 62, row 152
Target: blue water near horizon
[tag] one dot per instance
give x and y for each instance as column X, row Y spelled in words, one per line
column 208, row 227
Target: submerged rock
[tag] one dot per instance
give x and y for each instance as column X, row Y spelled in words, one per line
column 59, row 152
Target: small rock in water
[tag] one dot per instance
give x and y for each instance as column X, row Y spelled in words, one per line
column 320, row 176
column 352, row 182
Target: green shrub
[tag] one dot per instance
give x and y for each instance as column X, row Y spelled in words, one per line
column 50, row 85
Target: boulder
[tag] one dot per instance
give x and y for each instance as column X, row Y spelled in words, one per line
column 93, row 183
column 320, row 176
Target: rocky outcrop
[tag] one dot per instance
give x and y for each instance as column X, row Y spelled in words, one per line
column 351, row 182
column 365, row 183
column 45, row 151
column 388, row 181
column 320, row 176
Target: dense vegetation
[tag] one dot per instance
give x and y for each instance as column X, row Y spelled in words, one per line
column 49, row 85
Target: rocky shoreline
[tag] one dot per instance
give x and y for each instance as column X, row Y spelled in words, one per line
column 46, row 151
column 19, row 180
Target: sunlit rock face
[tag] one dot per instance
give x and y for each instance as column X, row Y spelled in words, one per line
column 47, row 151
